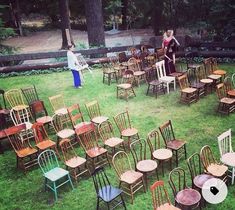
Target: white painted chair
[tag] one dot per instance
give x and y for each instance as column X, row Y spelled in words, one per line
column 227, row 156
column 161, row 73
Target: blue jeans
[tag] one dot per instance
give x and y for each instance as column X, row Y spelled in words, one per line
column 76, row 78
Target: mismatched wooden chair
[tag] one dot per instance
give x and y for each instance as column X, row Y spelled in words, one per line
column 122, row 57
column 75, row 164
column 201, row 74
column 109, row 73
column 30, row 94
column 160, row 197
column 171, row 142
column 159, row 152
column 188, row 94
column 123, row 123
column 105, row 192
column 26, row 155
column 228, row 84
column 58, row 105
column 216, row 70
column 185, row 197
column 130, row 180
column 233, row 80
column 117, row 66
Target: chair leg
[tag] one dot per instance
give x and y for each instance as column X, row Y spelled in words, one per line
column 98, row 204
column 45, row 184
column 167, row 86
column 233, row 174
column 176, row 156
column 148, row 90
column 185, row 151
column 55, row 191
column 71, row 183
column 132, row 195
column 108, row 206
column 123, row 202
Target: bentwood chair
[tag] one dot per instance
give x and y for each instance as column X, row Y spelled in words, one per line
column 185, row 197
column 105, row 192
column 30, row 94
column 106, row 133
column 76, row 165
column 227, row 156
column 123, row 123
column 130, row 181
column 211, row 166
column 171, row 142
column 160, row 198
column 159, row 152
column 143, row 161
column 52, row 172
column 26, row 155
column 109, row 73
column 94, row 112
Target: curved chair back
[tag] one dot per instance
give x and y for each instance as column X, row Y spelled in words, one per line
column 220, row 91
column 122, row 121
column 19, row 116
column 194, row 165
column 153, row 140
column 30, row 93
column 133, row 64
column 233, row 80
column 93, row 109
column 225, row 142
column 14, row 97
column 167, row 132
column 105, row 130
column 207, row 156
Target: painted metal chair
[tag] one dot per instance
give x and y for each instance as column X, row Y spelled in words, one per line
column 52, row 172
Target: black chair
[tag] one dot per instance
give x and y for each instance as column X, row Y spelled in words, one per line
column 112, row 196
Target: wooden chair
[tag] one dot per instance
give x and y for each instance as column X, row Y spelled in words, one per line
column 123, row 123
column 125, row 89
column 208, row 64
column 122, row 57
column 76, row 165
column 4, row 112
column 97, row 155
column 106, row 133
column 188, row 94
column 227, row 156
column 171, row 142
column 30, row 94
column 94, row 113
column 105, row 192
column 143, row 163
column 130, row 181
column 216, row 70
column 52, row 172
column 117, row 66
column 206, row 81
column 185, row 197
column 160, row 198
column 58, row 105
column 233, row 80
column 159, row 153
column 226, row 105
column 15, row 99
column 228, row 84
column 26, row 155
column 211, row 166
column 109, row 73
column 161, row 73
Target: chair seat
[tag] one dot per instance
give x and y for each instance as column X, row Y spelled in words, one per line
column 26, row 152
column 44, row 120
column 113, row 142
column 75, row 162
column 167, row 206
column 118, row 68
column 217, row 170
column 206, row 81
column 155, row 83
column 108, row 193
column 175, row 144
column 55, row 174
column 79, row 125
column 139, row 73
column 199, row 180
column 189, row 90
column 99, row 119
column 61, row 111
column 20, row 107
column 214, row 76
column 162, row 154
column 65, row 133
column 45, row 144
column 131, row 176
column 96, row 151
column 219, row 72
column 226, row 100
column 124, row 86
column 228, row 159
column 176, row 74
column 188, row 197
column 146, row 166
column 197, row 85
column 82, row 129
column 129, row 132
column 167, row 79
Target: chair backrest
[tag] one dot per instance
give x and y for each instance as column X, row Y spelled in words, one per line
column 194, row 165
column 167, row 132
column 19, row 116
column 57, row 102
column 225, row 142
column 113, row 60
column 214, row 64
column 30, row 93
column 208, row 65
column 220, row 91
column 183, row 81
column 75, row 114
column 59, row 123
column 133, row 64
column 122, row 121
column 38, row 109
column 105, row 130
column 121, row 163
column 201, row 73
column 160, row 68
column 151, row 75
column 228, row 84
column 177, row 180
column 101, row 181
column 39, row 132
column 122, row 57
column 47, row 160
column 159, row 194
column 67, row 149
column 106, row 67
column 2, row 92
column 128, row 77
column 153, row 140
column 82, row 62
column 207, row 157
column 93, row 109
column 14, row 97
column 233, row 80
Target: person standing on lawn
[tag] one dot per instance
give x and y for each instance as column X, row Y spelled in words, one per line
column 74, row 66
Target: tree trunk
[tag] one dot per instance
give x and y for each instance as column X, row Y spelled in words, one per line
column 95, row 23
column 124, row 13
column 17, row 15
column 157, row 17
column 67, row 38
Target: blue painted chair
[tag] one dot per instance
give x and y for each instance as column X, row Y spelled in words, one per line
column 52, row 172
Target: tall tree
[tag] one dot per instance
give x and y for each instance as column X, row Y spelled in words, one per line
column 67, row 38
column 95, row 23
column 124, row 13
column 157, row 16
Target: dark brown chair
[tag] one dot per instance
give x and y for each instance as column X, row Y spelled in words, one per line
column 201, row 73
column 185, row 197
column 216, row 70
column 122, row 57
column 2, row 93
column 109, row 73
column 31, row 95
column 171, row 142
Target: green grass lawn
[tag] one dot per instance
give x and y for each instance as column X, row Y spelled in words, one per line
column 198, row 124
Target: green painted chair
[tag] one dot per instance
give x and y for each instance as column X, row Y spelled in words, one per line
column 52, row 172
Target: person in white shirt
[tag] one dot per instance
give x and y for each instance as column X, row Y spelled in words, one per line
column 74, row 66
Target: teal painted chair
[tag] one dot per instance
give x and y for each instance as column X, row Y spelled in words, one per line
column 52, row 172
